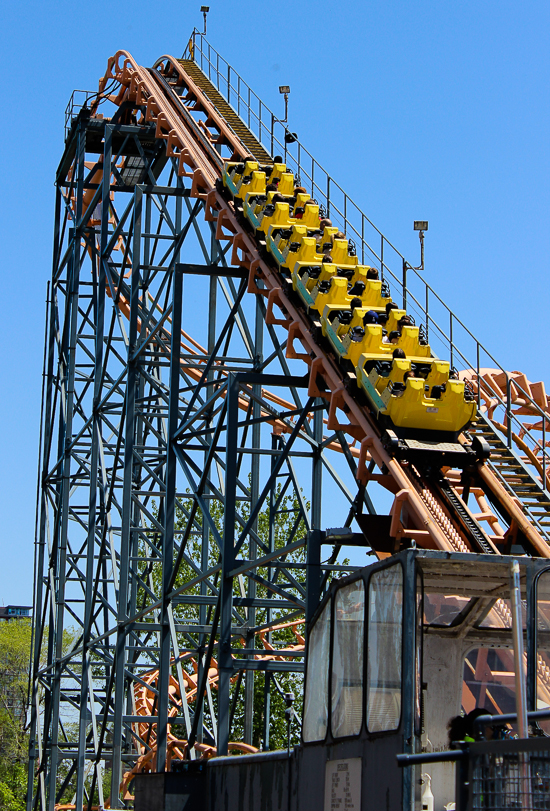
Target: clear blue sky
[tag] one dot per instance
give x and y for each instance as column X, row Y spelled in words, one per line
column 436, row 110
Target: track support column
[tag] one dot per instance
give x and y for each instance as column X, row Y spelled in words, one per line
column 169, row 520
column 228, row 563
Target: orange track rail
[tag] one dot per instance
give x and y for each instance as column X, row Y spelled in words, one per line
column 429, row 524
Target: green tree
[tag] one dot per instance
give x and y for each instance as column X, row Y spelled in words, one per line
column 15, row 646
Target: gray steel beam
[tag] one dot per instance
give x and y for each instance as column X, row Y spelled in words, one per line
column 140, row 566
column 60, row 541
column 99, row 306
column 125, row 544
column 169, row 522
column 225, row 661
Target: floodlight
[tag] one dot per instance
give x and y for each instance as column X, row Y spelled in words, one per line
column 284, row 90
column 421, row 226
column 205, row 10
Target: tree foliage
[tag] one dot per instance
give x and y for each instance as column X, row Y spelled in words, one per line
column 15, row 647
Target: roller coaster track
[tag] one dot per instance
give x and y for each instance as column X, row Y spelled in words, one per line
column 145, row 700
column 520, row 468
column 194, row 122
column 193, row 146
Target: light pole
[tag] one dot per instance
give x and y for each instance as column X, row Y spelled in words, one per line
column 421, row 226
column 284, row 90
column 205, row 10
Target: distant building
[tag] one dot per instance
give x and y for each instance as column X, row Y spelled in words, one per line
column 14, row 667
column 12, row 612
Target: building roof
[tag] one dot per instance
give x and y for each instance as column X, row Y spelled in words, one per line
column 9, row 612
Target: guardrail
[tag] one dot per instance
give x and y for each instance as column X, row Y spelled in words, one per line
column 78, row 100
column 513, row 773
column 446, row 332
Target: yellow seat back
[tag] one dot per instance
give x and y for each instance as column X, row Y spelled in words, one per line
column 340, row 254
column 338, row 292
column 398, row 369
column 439, row 373
column 372, row 343
column 306, row 253
column 243, row 183
column 277, row 172
column 410, row 344
column 286, row 184
column 394, row 317
column 311, row 216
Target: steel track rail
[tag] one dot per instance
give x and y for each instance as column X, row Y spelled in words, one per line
column 198, row 160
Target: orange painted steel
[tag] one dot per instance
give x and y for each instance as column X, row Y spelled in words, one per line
column 427, row 521
column 145, row 699
column 198, row 160
column 529, row 402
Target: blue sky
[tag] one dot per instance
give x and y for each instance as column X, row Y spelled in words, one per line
column 436, row 111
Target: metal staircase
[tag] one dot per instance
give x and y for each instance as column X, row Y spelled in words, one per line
column 235, row 122
column 515, row 476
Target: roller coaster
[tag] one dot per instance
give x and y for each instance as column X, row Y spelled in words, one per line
column 178, row 539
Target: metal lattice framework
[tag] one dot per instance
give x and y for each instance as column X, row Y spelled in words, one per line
column 136, row 558
column 179, row 435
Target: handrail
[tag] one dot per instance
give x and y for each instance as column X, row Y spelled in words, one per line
column 431, row 757
column 77, row 101
column 407, row 759
column 272, row 133
column 510, row 717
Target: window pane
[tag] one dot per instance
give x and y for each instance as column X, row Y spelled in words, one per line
column 490, row 680
column 442, row 609
column 500, row 615
column 316, row 697
column 384, row 649
column 347, row 660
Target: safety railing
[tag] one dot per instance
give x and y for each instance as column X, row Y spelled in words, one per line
column 447, row 334
column 497, row 774
column 78, row 100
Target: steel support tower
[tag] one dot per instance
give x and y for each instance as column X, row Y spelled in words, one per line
column 188, row 465
column 159, row 455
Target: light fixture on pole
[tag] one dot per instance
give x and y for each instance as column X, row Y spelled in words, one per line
column 205, row 10
column 421, row 226
column 284, row 89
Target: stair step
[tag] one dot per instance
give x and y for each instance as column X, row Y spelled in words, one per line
column 233, row 120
